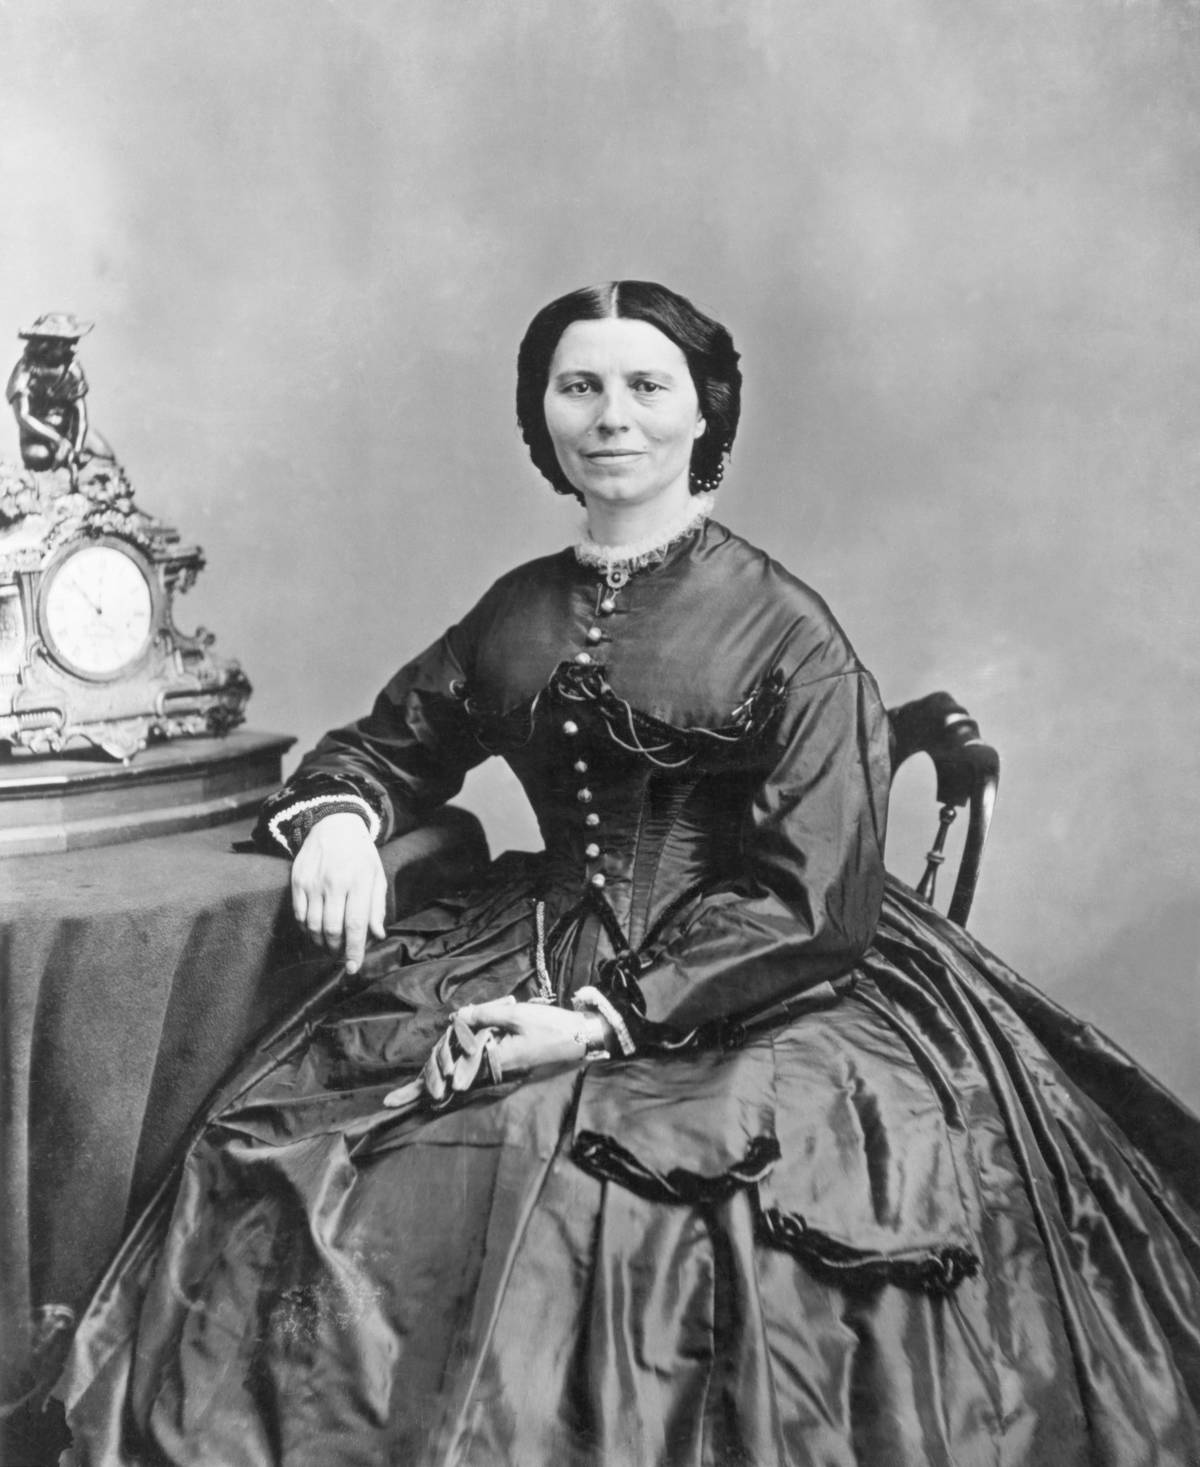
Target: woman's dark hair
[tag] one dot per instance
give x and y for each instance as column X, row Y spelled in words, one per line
column 711, row 357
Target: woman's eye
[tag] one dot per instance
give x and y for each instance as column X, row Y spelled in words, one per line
column 577, row 389
column 648, row 388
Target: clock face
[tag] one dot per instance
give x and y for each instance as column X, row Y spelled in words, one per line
column 97, row 611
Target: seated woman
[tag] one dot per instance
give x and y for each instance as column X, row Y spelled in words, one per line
column 691, row 1140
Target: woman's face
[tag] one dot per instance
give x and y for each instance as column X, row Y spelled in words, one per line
column 622, row 411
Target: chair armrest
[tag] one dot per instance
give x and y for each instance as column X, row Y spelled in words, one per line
column 437, row 857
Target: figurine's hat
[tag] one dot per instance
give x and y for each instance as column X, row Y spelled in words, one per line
column 58, row 323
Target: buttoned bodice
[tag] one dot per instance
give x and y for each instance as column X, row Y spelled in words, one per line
column 637, row 812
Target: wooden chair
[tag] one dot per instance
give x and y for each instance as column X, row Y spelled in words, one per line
column 968, row 774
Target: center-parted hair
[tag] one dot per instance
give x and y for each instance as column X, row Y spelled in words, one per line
column 708, row 348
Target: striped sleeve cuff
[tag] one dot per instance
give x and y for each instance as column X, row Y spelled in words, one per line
column 301, row 815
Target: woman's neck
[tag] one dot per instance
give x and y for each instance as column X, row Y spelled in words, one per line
column 632, row 554
column 627, row 524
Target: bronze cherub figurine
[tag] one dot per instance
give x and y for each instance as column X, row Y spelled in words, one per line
column 48, row 392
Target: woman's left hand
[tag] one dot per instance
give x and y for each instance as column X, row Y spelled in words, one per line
column 531, row 1034
column 520, row 1037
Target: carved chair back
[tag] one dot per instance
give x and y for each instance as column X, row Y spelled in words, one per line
column 968, row 775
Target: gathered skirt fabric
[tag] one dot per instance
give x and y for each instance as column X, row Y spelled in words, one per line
column 936, row 1222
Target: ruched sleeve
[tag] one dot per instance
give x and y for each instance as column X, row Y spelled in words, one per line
column 805, row 902
column 395, row 766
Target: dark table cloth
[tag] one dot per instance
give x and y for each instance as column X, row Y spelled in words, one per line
column 131, row 977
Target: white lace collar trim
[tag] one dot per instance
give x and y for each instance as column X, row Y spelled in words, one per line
column 653, row 548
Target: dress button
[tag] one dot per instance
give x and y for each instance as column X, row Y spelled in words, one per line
column 583, row 658
column 598, row 879
column 580, row 766
column 591, row 818
column 570, row 728
column 607, row 606
column 594, row 634
column 584, row 796
column 591, row 851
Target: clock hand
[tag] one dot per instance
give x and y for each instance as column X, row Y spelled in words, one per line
column 95, row 605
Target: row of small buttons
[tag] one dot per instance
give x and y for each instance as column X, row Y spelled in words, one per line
column 594, row 635
column 583, row 794
column 606, row 606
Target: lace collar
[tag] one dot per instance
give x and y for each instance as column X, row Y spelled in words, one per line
column 651, row 550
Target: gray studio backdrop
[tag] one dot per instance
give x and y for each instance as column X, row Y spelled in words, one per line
column 959, row 246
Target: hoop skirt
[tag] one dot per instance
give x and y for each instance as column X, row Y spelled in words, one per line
column 852, row 1192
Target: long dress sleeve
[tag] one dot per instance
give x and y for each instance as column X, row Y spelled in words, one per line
column 806, row 900
column 395, row 766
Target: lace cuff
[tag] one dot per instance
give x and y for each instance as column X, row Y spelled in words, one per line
column 618, row 996
column 593, row 999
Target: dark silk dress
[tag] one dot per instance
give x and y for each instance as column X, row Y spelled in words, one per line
column 859, row 1197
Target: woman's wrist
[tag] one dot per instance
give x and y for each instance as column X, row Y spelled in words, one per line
column 596, row 1034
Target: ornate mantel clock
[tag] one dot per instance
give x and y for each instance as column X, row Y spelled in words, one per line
column 90, row 656
column 89, row 650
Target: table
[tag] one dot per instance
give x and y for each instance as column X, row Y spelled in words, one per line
column 59, row 804
column 131, row 977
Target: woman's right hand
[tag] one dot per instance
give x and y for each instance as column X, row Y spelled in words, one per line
column 339, row 890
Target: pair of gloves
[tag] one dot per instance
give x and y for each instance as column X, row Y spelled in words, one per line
column 462, row 1059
